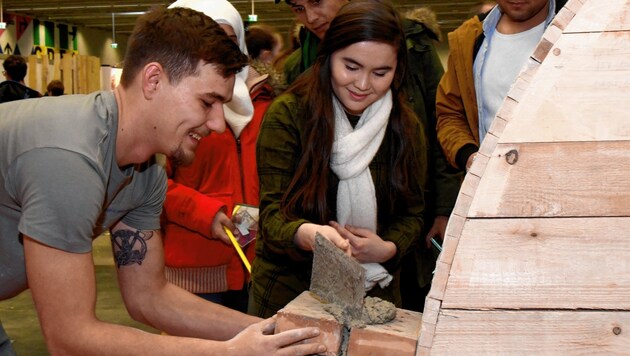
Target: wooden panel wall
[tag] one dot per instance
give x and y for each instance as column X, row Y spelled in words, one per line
column 536, row 257
column 532, row 333
column 79, row 74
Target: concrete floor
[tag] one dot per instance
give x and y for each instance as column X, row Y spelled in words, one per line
column 20, row 319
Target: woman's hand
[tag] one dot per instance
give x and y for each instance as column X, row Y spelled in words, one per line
column 305, row 237
column 366, row 246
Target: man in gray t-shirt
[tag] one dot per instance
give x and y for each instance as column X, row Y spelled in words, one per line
column 72, row 167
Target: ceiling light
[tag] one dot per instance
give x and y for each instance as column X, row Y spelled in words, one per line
column 3, row 24
column 114, row 44
column 252, row 17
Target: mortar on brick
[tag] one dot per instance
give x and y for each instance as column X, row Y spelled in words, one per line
column 398, row 337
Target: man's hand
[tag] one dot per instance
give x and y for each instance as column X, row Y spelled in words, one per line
column 258, row 339
column 470, row 161
column 438, row 230
column 366, row 246
column 305, row 237
column 220, row 220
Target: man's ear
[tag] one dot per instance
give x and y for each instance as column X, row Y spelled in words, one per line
column 152, row 76
column 266, row 56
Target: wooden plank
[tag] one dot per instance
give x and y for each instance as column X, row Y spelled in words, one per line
column 553, row 180
column 562, row 19
column 431, row 310
column 462, row 205
column 94, row 78
column 31, row 79
column 56, row 67
column 563, row 263
column 564, row 16
column 562, row 107
column 422, row 350
column 449, row 248
column 488, row 145
column 449, row 245
column 518, row 88
column 440, row 278
column 427, row 328
column 532, row 333
column 67, row 74
column 83, row 69
column 75, row 74
column 601, row 15
column 425, row 339
column 497, row 126
column 480, row 162
column 470, row 183
column 506, row 111
column 549, row 38
column 574, row 5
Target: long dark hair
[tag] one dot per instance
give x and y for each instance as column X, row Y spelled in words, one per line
column 357, row 21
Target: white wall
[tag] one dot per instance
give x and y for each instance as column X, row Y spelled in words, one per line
column 97, row 43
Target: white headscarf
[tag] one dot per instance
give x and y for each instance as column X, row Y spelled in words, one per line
column 239, row 111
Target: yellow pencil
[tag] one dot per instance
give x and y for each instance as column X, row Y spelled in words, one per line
column 238, row 249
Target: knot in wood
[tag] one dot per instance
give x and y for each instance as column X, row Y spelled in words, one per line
column 616, row 330
column 511, row 157
column 556, row 51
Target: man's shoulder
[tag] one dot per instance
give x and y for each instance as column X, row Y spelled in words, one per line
column 32, row 93
column 473, row 24
column 11, row 90
column 468, row 31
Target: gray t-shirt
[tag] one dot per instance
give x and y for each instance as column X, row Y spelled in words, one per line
column 59, row 180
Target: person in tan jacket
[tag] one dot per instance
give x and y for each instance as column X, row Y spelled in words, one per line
column 486, row 55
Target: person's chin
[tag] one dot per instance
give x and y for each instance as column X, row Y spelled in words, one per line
column 320, row 31
column 181, row 158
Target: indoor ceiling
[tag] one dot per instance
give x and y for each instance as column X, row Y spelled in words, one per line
column 98, row 13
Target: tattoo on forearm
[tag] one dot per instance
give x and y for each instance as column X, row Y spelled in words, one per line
column 130, row 246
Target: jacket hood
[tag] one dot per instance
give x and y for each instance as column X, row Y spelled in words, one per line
column 426, row 17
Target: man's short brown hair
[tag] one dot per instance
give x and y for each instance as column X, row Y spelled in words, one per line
column 178, row 39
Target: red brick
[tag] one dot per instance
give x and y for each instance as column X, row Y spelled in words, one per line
column 306, row 311
column 398, row 337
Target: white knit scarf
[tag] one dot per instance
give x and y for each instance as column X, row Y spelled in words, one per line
column 352, row 152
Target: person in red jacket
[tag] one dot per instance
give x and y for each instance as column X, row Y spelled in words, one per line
column 200, row 198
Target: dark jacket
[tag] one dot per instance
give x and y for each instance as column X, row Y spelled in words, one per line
column 425, row 71
column 11, row 90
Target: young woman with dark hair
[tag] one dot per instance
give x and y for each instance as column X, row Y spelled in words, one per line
column 341, row 154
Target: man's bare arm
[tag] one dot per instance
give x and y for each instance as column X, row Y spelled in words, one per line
column 152, row 300
column 64, row 291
